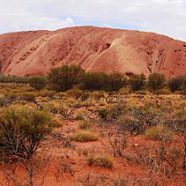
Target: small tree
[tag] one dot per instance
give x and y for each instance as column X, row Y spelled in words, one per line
column 65, row 77
column 137, row 82
column 21, row 131
column 175, row 83
column 156, row 81
column 38, row 82
column 95, row 81
column 116, row 81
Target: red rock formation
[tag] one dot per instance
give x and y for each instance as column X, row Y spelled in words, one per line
column 95, row 49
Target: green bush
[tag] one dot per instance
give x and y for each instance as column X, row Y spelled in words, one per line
column 21, row 130
column 85, row 96
column 156, row 81
column 85, row 124
column 116, row 110
column 142, row 92
column 5, row 101
column 133, row 126
column 102, row 81
column 100, row 161
column 125, row 91
column 97, row 95
column 84, row 136
column 164, row 91
column 38, row 82
column 13, row 79
column 65, row 77
column 184, row 86
column 103, row 113
column 175, row 84
column 137, row 82
column 158, row 132
column 55, row 123
column 46, row 93
column 142, row 117
column 80, row 116
column 28, row 96
column 94, row 81
column 75, row 93
column 177, row 122
column 115, row 82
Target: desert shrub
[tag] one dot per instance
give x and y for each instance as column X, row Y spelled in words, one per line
column 55, row 123
column 156, row 81
column 84, row 136
column 46, row 93
column 103, row 113
column 13, row 79
column 184, row 86
column 118, row 142
column 101, row 161
column 164, row 91
column 142, row 117
column 21, row 131
column 5, row 101
column 94, row 81
column 102, row 81
column 97, row 95
column 75, row 93
column 133, row 126
column 175, row 84
column 85, row 96
column 65, row 77
column 137, row 82
column 12, row 95
column 38, row 82
column 125, row 91
column 142, row 92
column 115, row 111
column 65, row 109
column 28, row 96
column 85, row 124
column 177, row 122
column 116, row 81
column 158, row 132
column 80, row 116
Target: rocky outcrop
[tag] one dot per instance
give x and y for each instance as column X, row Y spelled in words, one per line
column 95, row 49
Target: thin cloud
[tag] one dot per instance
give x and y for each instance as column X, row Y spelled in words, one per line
column 161, row 16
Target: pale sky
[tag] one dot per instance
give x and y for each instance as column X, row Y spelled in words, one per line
column 161, row 16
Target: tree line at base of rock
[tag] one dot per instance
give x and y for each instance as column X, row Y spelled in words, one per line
column 68, row 77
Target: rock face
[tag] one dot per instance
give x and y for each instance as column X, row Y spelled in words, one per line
column 95, row 49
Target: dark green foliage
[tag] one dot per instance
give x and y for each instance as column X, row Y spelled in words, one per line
column 140, row 118
column 65, row 77
column 137, row 82
column 5, row 101
column 13, row 79
column 102, row 81
column 184, row 86
column 104, row 161
column 75, row 93
column 94, row 81
column 115, row 111
column 21, row 130
column 133, row 126
column 176, row 83
column 38, row 82
column 156, row 81
column 177, row 122
column 115, row 82
column 103, row 113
